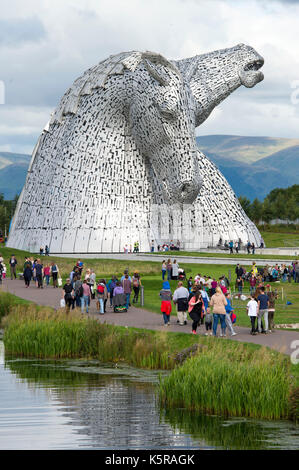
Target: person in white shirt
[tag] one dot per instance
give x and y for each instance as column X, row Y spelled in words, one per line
column 252, row 309
column 175, row 270
column 180, row 299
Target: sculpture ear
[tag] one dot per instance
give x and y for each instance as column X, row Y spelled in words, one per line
column 160, row 68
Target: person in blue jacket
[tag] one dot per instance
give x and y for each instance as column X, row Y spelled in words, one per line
column 229, row 309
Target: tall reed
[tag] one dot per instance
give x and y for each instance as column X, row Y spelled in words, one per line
column 44, row 333
column 257, row 386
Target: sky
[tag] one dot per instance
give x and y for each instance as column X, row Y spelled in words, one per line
column 46, row 44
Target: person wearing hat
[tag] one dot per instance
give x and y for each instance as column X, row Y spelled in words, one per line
column 166, row 296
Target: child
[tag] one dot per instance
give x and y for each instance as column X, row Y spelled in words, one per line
column 252, row 313
column 229, row 309
column 208, row 322
column 4, row 271
column 166, row 296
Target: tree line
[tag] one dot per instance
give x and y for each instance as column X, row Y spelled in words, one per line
column 7, row 209
column 278, row 204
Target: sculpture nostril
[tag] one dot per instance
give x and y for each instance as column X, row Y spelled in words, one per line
column 183, row 188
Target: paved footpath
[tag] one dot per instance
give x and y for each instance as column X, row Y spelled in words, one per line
column 137, row 317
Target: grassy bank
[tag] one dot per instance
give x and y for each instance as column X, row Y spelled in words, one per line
column 238, row 382
column 280, row 239
column 44, row 333
column 216, row 376
column 8, row 301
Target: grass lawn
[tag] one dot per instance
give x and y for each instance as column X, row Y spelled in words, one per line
column 172, row 254
column 276, row 240
column 150, row 272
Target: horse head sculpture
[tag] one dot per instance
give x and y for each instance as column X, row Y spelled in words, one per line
column 121, row 139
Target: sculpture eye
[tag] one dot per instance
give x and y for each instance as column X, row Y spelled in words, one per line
column 168, row 114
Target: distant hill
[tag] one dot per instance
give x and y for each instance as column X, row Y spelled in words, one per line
column 13, row 170
column 243, row 148
column 252, row 165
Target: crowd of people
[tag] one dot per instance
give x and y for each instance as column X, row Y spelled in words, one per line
column 282, row 273
column 79, row 290
column 238, row 246
column 206, row 300
column 209, row 301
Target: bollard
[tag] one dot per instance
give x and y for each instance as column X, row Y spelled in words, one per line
column 142, row 296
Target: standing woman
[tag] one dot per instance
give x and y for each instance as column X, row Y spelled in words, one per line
column 39, row 272
column 68, row 294
column 214, row 285
column 240, row 285
column 196, row 310
column 47, row 271
column 175, row 270
column 136, row 286
column 166, row 296
column 218, row 303
column 163, row 269
column 169, row 270
column 27, row 272
column 54, row 273
column 85, row 299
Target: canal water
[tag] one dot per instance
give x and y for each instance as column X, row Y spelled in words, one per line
column 77, row 404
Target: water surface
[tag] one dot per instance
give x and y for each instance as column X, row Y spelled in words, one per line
column 79, row 404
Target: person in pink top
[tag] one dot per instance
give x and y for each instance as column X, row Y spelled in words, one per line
column 47, row 272
column 85, row 299
column 214, row 284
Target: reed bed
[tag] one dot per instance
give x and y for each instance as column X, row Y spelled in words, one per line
column 7, row 301
column 236, row 382
column 223, row 377
column 45, row 333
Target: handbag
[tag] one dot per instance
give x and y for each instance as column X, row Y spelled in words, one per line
column 62, row 303
column 59, row 281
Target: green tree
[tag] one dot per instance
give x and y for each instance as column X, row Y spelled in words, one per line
column 256, row 211
column 246, row 205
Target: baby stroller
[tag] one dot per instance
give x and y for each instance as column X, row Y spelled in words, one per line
column 119, row 303
column 182, row 275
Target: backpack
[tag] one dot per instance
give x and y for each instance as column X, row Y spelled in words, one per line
column 136, row 282
column 80, row 291
column 233, row 317
column 100, row 289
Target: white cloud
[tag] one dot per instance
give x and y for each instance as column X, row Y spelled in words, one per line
column 68, row 37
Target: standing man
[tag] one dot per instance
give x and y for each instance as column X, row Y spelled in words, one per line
column 127, row 287
column 271, row 310
column 263, row 306
column 13, row 267
column 39, row 271
column 239, row 271
column 180, row 299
